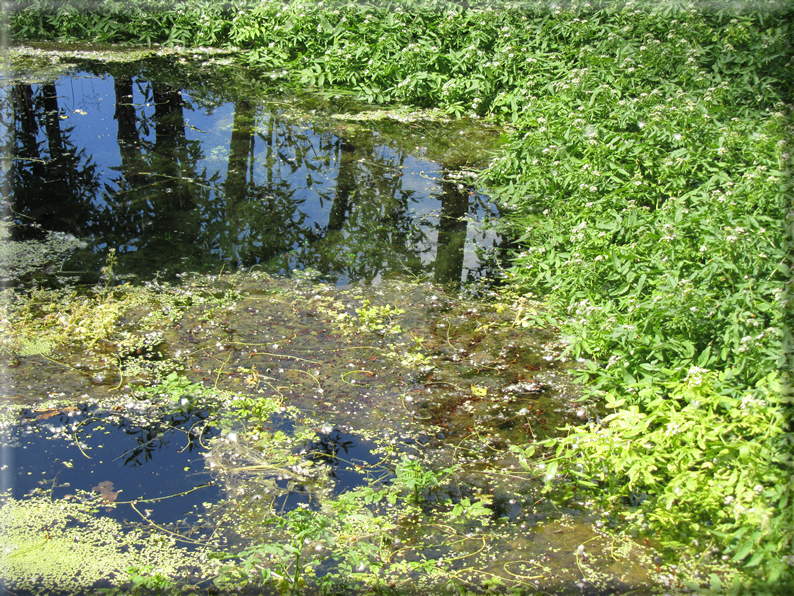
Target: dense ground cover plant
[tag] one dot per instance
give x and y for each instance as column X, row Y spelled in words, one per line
column 648, row 185
column 652, row 208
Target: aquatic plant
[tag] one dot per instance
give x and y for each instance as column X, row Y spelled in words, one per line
column 21, row 259
column 45, row 541
column 410, row 475
column 378, row 319
column 293, row 560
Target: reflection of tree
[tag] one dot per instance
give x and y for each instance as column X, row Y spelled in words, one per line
column 452, row 228
column 52, row 120
column 345, row 185
column 254, row 221
column 53, row 183
column 23, row 145
column 127, row 134
column 148, row 438
column 369, row 231
column 241, row 149
column 291, row 197
column 26, row 119
column 152, row 214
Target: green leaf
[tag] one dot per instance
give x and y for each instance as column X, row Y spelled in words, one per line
column 704, row 357
column 743, row 551
column 756, row 559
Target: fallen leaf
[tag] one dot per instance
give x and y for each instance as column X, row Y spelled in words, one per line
column 479, row 390
column 105, row 489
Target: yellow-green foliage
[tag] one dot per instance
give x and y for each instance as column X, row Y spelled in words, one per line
column 46, row 319
column 45, row 542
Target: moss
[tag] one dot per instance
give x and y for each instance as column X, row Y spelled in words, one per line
column 398, row 114
column 45, row 61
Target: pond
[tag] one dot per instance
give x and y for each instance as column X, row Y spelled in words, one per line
column 236, row 355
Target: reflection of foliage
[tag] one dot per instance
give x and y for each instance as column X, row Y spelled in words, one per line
column 150, row 437
column 167, row 210
column 325, row 448
column 53, row 181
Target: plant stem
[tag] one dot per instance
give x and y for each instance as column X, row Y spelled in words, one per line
column 295, row 578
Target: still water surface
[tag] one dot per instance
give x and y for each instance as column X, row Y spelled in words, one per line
column 192, row 167
column 188, row 170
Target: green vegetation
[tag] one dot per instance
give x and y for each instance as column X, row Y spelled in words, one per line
column 648, row 182
column 46, row 541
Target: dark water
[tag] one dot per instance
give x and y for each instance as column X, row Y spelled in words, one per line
column 189, row 168
column 154, row 462
column 143, row 465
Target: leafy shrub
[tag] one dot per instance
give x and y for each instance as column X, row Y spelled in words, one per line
column 650, row 209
